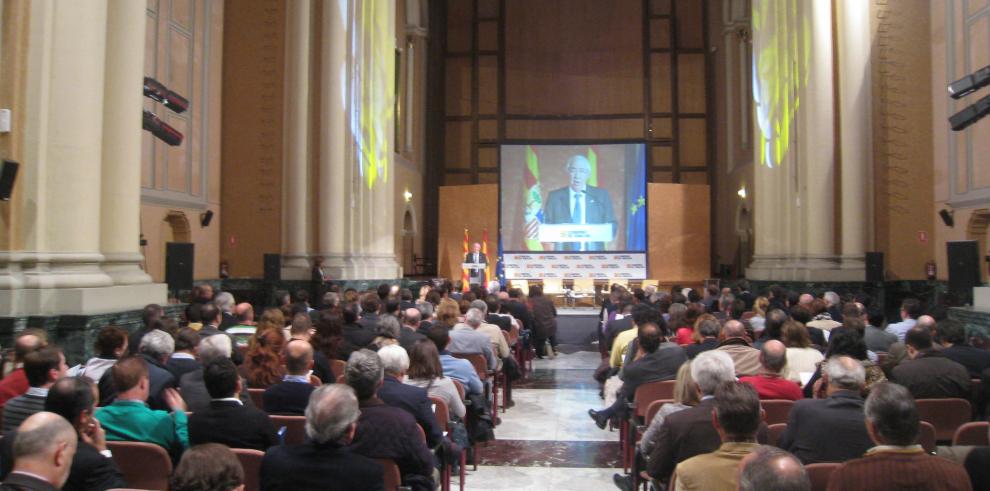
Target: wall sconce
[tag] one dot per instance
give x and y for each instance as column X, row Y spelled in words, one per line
column 407, row 195
column 742, row 192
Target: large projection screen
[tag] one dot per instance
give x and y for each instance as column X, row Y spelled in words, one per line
column 573, row 211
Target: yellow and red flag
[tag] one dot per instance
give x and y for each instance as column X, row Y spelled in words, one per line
column 488, row 264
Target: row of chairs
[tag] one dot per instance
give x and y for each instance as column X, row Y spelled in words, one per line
column 146, row 466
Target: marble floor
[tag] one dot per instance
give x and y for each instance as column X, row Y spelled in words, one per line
column 546, row 441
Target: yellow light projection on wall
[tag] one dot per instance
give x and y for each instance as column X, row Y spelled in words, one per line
column 372, row 88
column 781, row 53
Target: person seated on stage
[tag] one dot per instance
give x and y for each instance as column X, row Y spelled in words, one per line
column 130, row 419
column 656, row 360
column 44, row 450
column 291, row 395
column 736, row 419
column 769, row 383
column 413, row 400
column 42, row 367
column 331, row 422
column 896, row 462
column 210, row 466
column 228, row 420
column 386, row 432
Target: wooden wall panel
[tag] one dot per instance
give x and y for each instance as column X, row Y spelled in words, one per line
column 679, row 232
column 465, row 207
column 571, row 129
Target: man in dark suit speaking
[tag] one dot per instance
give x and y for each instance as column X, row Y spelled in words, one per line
column 475, row 257
column 579, row 203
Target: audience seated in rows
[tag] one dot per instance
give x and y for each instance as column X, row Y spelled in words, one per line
column 846, row 343
column 410, row 334
column 383, row 431
column 802, row 359
column 426, row 372
column 262, row 365
column 877, row 339
column 735, row 343
column 183, row 359
column 830, row 429
column 769, row 383
column 456, row 368
column 290, row 396
column 208, row 467
column 331, row 423
column 708, row 328
column 499, row 346
column 927, row 373
column 302, row 329
column 42, row 368
column 910, row 311
column 192, row 385
column 466, row 341
column 736, row 419
column 685, row 396
column 896, row 462
column 131, row 419
column 16, row 382
column 74, row 398
column 228, row 420
column 952, row 337
column 111, row 344
column 44, row 450
column 156, row 348
column 768, row 467
column 413, row 400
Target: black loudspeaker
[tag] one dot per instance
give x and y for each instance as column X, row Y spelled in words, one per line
column 7, row 176
column 179, row 265
column 273, row 267
column 964, row 268
column 874, row 267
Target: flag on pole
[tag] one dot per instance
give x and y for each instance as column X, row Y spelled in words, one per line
column 487, row 274
column 533, row 199
column 593, row 160
column 465, row 280
column 636, row 194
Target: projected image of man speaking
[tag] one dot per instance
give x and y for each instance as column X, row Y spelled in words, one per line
column 579, row 203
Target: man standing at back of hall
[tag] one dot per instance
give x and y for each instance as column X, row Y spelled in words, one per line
column 579, row 203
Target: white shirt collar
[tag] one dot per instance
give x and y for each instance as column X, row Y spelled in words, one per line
column 183, row 356
column 37, row 391
column 229, row 399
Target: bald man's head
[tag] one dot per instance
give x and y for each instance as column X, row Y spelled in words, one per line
column 734, row 329
column 768, row 467
column 411, row 317
column 28, row 341
column 298, row 357
column 926, row 321
column 244, row 312
column 805, row 300
column 45, row 446
column 773, row 356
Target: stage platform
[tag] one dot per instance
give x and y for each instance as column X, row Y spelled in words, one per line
column 577, row 327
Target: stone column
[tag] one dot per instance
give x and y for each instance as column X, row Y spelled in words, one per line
column 65, row 98
column 335, row 185
column 855, row 102
column 295, row 252
column 120, row 227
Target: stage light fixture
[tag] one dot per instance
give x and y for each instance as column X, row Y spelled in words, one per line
column 970, row 83
column 205, row 218
column 963, row 119
column 156, row 90
column 161, row 129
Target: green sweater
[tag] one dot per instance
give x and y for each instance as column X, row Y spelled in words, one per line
column 134, row 421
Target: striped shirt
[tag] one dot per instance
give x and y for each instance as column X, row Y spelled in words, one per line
column 21, row 407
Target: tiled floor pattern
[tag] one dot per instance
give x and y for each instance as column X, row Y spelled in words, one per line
column 546, row 441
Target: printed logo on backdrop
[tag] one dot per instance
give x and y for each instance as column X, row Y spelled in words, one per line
column 623, row 257
column 597, row 266
column 547, row 258
column 559, row 266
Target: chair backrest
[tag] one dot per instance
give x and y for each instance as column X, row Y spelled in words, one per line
column 652, row 391
column 391, row 474
column 250, row 460
column 881, row 357
column 478, row 361
column 460, row 388
column 819, row 474
column 258, row 398
column 337, row 367
column 946, row 415
column 295, row 428
column 440, row 411
column 653, row 409
column 777, row 410
column 926, row 436
column 144, row 465
column 774, row 431
column 973, row 433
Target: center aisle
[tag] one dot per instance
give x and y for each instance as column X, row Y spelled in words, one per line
column 546, row 441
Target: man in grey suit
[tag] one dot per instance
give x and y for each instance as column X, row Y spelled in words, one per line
column 579, row 203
